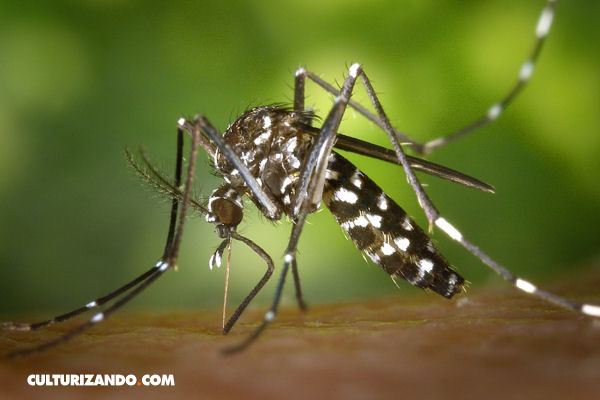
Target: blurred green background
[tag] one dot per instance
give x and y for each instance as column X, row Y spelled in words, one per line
column 82, row 80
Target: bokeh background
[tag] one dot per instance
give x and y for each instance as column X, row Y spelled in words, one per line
column 82, row 80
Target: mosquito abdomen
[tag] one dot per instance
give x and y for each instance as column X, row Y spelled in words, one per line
column 384, row 232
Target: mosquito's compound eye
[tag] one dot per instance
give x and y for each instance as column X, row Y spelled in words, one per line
column 224, row 212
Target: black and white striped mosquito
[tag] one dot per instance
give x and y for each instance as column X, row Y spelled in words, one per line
column 286, row 167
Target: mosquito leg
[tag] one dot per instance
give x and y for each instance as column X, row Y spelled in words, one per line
column 316, row 162
column 302, row 73
column 21, row 326
column 269, row 316
column 139, row 284
column 299, row 84
column 430, row 211
column 299, row 105
column 434, row 217
column 299, row 298
column 175, row 202
column 270, row 267
column 311, row 182
column 172, row 251
column 160, row 268
column 541, row 32
column 288, row 259
column 103, row 300
column 519, row 283
column 169, row 257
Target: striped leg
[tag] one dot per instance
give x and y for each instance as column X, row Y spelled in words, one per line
column 525, row 73
column 541, row 32
column 310, row 188
column 169, row 259
column 435, row 218
column 519, row 283
column 430, row 210
column 20, row 326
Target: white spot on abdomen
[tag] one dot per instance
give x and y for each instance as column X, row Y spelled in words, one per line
column 345, row 195
column 402, row 243
column 426, row 265
column 375, row 220
column 387, row 249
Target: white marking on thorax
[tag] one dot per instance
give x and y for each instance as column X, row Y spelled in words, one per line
column 262, row 138
column 331, row 174
column 292, row 144
column 266, row 122
column 294, row 162
column 382, row 202
column 261, row 165
column 286, row 182
column 356, row 179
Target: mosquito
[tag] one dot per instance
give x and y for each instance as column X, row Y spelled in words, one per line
column 274, row 156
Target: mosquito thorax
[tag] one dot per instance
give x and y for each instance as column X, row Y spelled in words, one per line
column 273, row 143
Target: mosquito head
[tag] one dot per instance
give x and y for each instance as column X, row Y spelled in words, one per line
column 225, row 210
